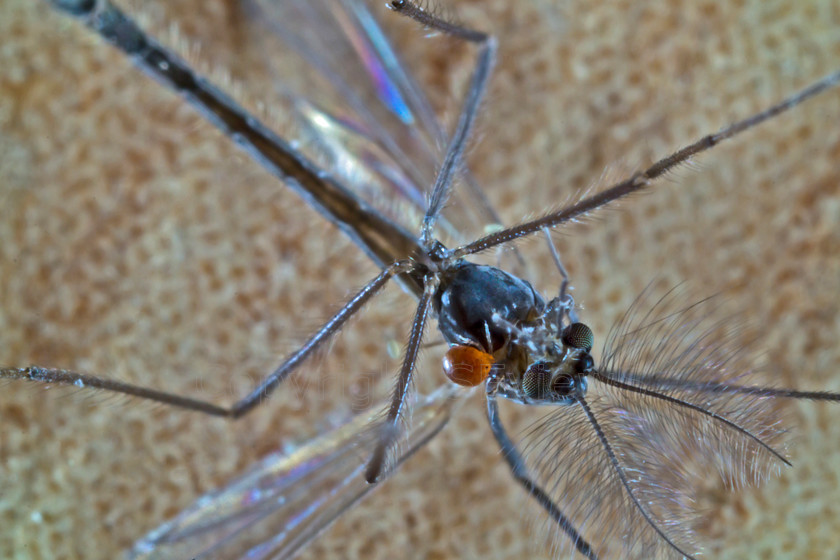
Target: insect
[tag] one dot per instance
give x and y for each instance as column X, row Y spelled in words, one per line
column 633, row 262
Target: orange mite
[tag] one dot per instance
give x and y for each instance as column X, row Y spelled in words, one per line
column 467, row 366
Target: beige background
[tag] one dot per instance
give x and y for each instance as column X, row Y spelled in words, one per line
column 137, row 243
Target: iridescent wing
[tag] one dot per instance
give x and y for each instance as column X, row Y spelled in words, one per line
column 354, row 108
column 354, row 111
column 285, row 500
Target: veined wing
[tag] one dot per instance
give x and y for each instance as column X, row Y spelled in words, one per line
column 261, row 143
column 358, row 111
column 284, row 501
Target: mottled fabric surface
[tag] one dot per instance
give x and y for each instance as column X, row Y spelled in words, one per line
column 138, row 243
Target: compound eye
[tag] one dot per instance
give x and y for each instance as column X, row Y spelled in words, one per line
column 467, row 366
column 578, row 335
column 563, row 385
column 536, row 383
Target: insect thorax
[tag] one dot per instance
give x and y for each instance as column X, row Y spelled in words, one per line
column 487, row 308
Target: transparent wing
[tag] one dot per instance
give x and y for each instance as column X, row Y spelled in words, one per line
column 347, row 104
column 281, row 503
column 356, row 109
column 665, row 453
column 257, row 511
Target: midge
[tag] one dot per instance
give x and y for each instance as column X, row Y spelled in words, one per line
column 655, row 370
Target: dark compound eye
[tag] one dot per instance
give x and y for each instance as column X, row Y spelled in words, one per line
column 578, row 335
column 563, row 385
column 536, row 383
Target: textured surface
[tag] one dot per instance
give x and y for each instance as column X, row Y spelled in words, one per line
column 137, row 243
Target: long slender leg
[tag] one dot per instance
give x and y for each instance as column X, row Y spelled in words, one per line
column 520, row 474
column 478, row 85
column 389, row 429
column 244, row 405
column 643, row 179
